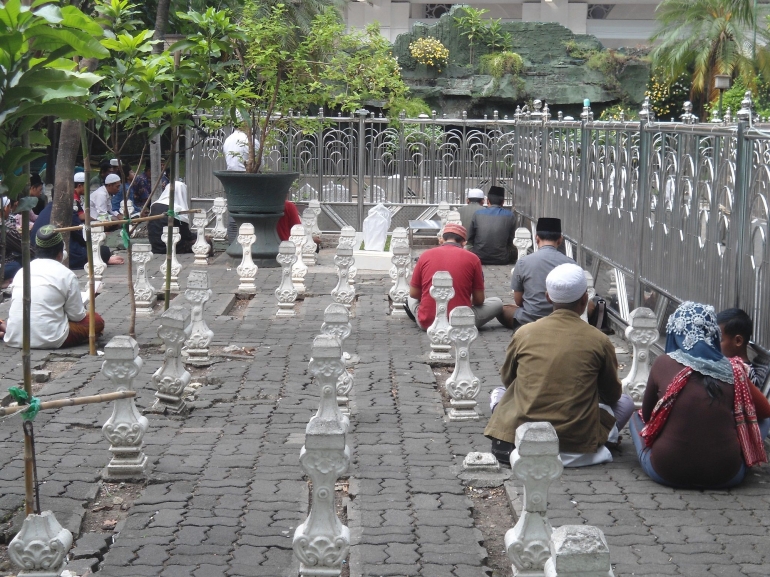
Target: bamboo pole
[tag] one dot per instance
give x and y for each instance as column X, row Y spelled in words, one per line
column 71, row 402
column 121, row 222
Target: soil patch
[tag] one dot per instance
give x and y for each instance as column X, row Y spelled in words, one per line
column 239, row 306
column 57, row 368
column 492, row 516
column 442, row 374
column 111, row 506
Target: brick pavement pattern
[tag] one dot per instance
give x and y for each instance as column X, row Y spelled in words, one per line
column 226, row 491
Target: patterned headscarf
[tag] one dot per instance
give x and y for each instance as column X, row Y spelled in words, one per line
column 692, row 339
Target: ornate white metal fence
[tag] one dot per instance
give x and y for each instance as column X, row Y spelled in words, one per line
column 658, row 212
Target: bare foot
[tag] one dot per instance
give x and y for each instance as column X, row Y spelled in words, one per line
column 115, row 259
column 2, row 329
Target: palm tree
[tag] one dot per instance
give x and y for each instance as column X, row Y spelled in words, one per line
column 706, row 37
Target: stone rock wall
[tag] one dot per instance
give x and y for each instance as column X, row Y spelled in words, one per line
column 550, row 73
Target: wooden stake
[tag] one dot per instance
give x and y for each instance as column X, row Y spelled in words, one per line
column 71, row 402
column 120, row 222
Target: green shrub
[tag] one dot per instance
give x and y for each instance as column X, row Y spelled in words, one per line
column 501, row 63
column 577, row 50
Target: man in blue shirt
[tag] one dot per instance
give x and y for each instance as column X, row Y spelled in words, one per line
column 492, row 230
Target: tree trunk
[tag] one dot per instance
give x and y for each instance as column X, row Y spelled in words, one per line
column 66, row 157
column 161, row 24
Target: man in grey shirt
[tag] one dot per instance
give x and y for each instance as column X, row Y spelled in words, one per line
column 475, row 202
column 528, row 278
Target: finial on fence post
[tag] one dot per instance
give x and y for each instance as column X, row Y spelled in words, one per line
column 517, row 114
column 546, row 114
column 495, row 115
column 646, row 112
column 622, row 116
column 715, row 116
column 728, row 116
column 586, row 114
column 745, row 113
column 402, row 115
column 560, row 115
column 688, row 117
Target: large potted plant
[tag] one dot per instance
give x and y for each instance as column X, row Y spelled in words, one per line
column 285, row 65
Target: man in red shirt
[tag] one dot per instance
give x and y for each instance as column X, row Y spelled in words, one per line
column 467, row 281
column 289, row 219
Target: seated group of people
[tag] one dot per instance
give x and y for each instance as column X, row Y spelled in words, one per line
column 703, row 419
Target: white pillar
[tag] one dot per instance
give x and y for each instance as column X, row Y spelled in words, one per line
column 337, row 324
column 201, row 248
column 299, row 270
column 442, row 292
column 171, row 378
column 286, row 293
column 247, row 270
column 343, row 293
column 443, row 213
column 220, row 228
column 308, row 250
column 144, row 292
column 98, row 236
column 176, row 268
column 197, row 294
column 536, row 463
column 400, row 271
column 40, row 548
column 348, row 240
column 642, row 333
column 322, row 542
column 126, row 427
column 463, row 386
column 315, row 205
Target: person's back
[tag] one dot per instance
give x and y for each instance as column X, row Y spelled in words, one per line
column 475, row 199
column 462, row 265
column 492, row 230
column 55, row 299
column 558, row 368
column 529, row 278
column 698, row 446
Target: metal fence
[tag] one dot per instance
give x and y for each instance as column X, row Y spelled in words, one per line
column 658, row 212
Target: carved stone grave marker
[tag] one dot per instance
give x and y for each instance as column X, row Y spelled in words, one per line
column 442, row 292
column 299, row 269
column 642, row 333
column 286, row 293
column 176, row 267
column 126, row 427
column 171, row 378
column 247, row 270
column 144, row 293
column 463, row 386
column 197, row 294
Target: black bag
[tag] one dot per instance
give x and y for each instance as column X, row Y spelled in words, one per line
column 598, row 317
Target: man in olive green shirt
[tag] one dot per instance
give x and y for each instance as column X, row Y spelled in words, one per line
column 562, row 370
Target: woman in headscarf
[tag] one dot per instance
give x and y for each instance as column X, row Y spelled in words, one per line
column 155, row 227
column 702, row 421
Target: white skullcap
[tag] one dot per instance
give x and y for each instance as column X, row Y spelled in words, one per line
column 111, row 178
column 475, row 193
column 80, row 177
column 6, row 202
column 566, row 283
column 113, row 162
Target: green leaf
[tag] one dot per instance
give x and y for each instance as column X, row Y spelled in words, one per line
column 64, row 110
column 25, row 204
column 74, row 18
column 50, row 13
column 84, row 44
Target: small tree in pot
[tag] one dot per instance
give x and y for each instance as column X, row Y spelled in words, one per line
column 282, row 66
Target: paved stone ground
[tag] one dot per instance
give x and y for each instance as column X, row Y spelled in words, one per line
column 226, row 490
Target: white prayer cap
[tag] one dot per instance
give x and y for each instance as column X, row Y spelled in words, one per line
column 6, row 202
column 111, row 178
column 475, row 193
column 566, row 283
column 114, row 162
column 80, row 177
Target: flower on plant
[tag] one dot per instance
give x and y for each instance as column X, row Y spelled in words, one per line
column 430, row 52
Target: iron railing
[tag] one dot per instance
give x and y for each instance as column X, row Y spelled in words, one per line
column 658, row 212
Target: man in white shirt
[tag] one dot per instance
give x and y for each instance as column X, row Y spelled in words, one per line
column 236, row 150
column 101, row 206
column 59, row 317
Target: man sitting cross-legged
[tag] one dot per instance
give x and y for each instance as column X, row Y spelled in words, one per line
column 528, row 278
column 59, row 318
column 467, row 280
column 562, row 370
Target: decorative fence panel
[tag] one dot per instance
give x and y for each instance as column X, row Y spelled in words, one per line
column 658, row 212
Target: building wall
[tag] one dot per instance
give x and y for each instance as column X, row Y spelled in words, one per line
column 622, row 23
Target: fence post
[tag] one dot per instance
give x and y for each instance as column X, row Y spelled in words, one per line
column 362, row 114
column 463, row 154
column 642, row 201
column 401, row 159
column 743, row 161
column 494, row 147
column 585, row 143
column 320, row 137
